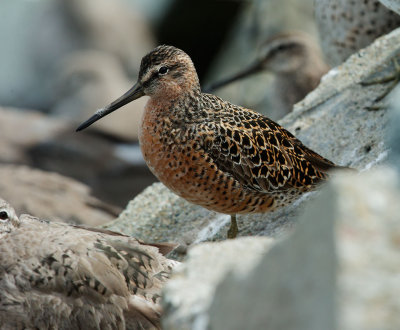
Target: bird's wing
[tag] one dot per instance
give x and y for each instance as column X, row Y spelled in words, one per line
column 262, row 155
column 163, row 248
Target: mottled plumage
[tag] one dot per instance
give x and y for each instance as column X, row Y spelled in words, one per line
column 59, row 276
column 213, row 153
column 346, row 26
column 228, row 159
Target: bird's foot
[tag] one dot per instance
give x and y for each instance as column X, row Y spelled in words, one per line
column 393, row 78
column 233, row 229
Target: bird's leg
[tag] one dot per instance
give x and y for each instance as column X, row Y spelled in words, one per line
column 233, row 229
column 393, row 77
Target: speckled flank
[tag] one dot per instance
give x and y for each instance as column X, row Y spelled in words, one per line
column 213, row 153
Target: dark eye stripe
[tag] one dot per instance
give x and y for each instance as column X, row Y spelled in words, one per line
column 155, row 74
column 282, row 47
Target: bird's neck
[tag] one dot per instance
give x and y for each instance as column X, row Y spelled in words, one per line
column 176, row 107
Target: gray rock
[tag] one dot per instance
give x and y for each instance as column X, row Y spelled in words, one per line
column 159, row 215
column 206, row 265
column 367, row 240
column 393, row 134
column 52, row 196
column 335, row 119
column 293, row 287
column 392, row 5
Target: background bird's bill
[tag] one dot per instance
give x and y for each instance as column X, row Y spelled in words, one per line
column 251, row 69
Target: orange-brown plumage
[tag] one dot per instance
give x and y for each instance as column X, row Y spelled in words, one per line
column 213, row 153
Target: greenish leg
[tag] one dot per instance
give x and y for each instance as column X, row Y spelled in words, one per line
column 233, row 229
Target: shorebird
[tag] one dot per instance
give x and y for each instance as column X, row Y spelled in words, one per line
column 297, row 63
column 59, row 276
column 346, row 26
column 213, row 153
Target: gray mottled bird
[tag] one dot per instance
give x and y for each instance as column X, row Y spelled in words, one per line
column 59, row 276
column 346, row 26
column 296, row 62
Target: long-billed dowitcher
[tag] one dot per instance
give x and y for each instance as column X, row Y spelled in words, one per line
column 297, row 63
column 221, row 156
column 59, row 276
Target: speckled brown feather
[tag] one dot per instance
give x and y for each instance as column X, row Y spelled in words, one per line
column 54, row 275
column 216, row 154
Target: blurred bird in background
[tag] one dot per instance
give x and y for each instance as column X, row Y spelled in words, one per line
column 296, row 62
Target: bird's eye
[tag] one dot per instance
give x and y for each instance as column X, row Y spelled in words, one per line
column 3, row 215
column 163, row 70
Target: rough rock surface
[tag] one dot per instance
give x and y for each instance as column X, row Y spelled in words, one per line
column 392, row 5
column 368, row 247
column 334, row 120
column 207, row 264
column 160, row 215
column 52, row 196
column 393, row 132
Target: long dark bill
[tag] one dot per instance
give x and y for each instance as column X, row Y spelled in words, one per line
column 134, row 93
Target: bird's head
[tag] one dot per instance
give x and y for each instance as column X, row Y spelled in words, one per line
column 166, row 72
column 8, row 218
column 286, row 52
